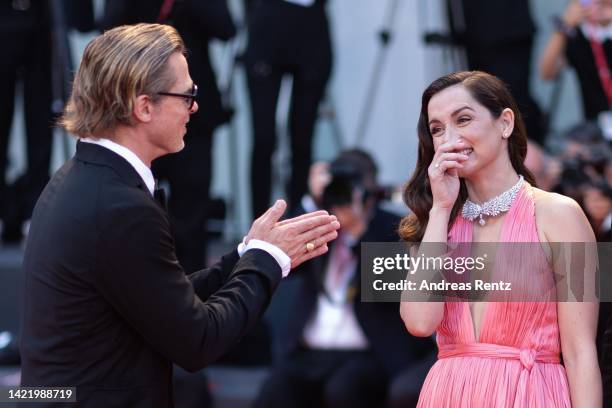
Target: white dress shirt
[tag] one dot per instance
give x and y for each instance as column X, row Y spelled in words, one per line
column 596, row 31
column 145, row 173
column 334, row 324
column 142, row 169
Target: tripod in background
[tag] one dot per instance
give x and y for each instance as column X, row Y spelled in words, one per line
column 385, row 36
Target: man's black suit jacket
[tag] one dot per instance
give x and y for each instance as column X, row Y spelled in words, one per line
column 381, row 323
column 108, row 308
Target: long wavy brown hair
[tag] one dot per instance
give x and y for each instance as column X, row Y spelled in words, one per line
column 494, row 95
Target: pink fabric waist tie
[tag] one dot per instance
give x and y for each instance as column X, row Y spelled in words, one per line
column 526, row 356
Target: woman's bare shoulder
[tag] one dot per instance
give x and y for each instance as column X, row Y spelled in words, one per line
column 554, row 202
column 560, row 218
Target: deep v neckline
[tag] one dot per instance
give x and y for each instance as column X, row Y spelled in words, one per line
column 477, row 332
column 463, row 231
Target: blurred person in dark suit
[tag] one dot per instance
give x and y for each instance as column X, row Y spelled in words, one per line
column 333, row 349
column 108, row 307
column 286, row 37
column 188, row 172
column 582, row 39
column 498, row 38
column 26, row 42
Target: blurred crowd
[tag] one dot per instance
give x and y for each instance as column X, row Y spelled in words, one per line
column 292, row 38
column 333, row 344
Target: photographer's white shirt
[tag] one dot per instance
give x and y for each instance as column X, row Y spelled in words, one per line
column 334, row 324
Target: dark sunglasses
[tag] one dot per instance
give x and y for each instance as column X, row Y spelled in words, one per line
column 189, row 97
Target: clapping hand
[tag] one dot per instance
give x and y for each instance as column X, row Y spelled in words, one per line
column 301, row 238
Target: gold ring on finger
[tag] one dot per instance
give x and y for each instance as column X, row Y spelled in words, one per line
column 309, row 247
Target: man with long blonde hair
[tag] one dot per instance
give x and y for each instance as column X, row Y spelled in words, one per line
column 108, row 307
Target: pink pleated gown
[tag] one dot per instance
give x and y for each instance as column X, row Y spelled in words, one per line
column 515, row 362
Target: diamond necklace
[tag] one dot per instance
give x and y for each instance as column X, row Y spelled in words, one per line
column 493, row 207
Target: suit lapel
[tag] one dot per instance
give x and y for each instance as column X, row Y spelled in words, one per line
column 92, row 153
column 160, row 196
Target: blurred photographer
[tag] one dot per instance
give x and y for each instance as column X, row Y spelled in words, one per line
column 586, row 167
column 352, row 193
column 332, row 349
column 582, row 39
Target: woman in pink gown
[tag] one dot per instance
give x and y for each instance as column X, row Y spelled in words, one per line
column 472, row 145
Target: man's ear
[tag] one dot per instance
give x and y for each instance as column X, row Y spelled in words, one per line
column 506, row 120
column 143, row 108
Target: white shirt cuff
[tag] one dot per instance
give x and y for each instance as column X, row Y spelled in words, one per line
column 278, row 254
